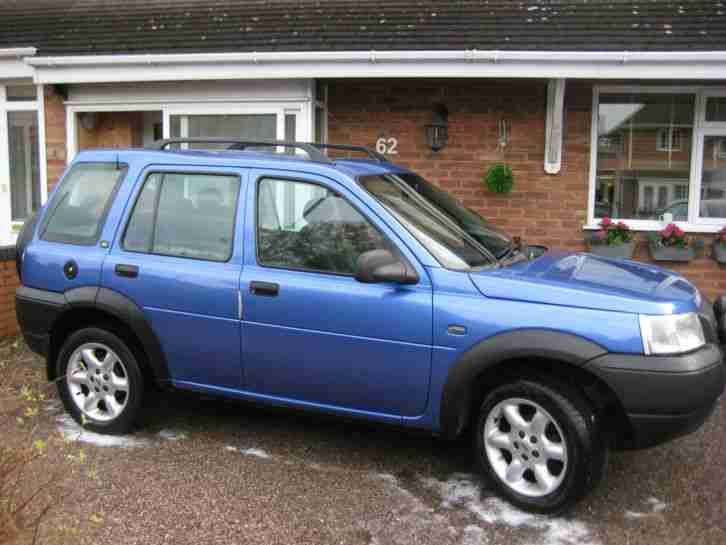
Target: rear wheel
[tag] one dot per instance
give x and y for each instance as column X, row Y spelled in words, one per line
column 539, row 444
column 101, row 383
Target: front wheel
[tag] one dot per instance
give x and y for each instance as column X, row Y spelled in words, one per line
column 539, row 444
column 101, row 383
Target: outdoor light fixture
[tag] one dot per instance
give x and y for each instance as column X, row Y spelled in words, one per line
column 437, row 134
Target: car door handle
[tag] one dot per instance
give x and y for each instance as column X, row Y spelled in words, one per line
column 267, row 289
column 129, row 271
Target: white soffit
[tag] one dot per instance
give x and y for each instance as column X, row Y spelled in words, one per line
column 708, row 65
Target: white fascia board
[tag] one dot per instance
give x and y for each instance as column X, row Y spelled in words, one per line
column 709, row 65
column 12, row 65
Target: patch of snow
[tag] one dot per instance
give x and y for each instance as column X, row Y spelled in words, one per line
column 464, row 491
column 473, row 535
column 72, row 431
column 655, row 505
column 256, row 452
column 173, row 435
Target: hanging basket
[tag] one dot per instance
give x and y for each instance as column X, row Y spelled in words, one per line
column 499, row 179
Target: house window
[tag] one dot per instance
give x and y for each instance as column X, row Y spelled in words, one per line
column 639, row 183
column 22, row 168
column 668, row 140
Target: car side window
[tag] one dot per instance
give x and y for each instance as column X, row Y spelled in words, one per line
column 184, row 215
column 78, row 210
column 306, row 226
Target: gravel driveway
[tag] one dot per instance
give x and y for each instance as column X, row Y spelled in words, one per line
column 207, row 472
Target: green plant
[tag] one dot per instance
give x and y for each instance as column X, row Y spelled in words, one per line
column 612, row 233
column 499, row 178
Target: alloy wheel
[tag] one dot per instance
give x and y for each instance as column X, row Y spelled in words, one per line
column 97, row 381
column 525, row 447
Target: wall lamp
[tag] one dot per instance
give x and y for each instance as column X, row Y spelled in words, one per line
column 437, row 133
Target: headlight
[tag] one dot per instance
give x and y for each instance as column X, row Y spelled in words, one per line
column 671, row 334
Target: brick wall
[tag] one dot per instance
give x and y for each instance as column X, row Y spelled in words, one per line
column 55, row 135
column 8, row 283
column 543, row 209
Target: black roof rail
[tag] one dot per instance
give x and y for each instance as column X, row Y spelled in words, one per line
column 234, row 144
column 372, row 154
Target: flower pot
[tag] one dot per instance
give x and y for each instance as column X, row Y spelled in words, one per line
column 622, row 251
column 671, row 253
column 719, row 252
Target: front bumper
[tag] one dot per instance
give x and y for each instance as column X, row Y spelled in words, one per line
column 664, row 396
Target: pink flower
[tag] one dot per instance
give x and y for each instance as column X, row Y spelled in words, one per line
column 668, row 231
column 679, row 232
column 601, row 235
column 606, row 222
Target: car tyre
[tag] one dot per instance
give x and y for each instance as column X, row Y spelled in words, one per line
column 550, row 455
column 100, row 381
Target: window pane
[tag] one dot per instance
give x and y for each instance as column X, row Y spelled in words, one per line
column 139, row 233
column 79, row 207
column 17, row 93
column 196, row 216
column 241, row 127
column 716, row 109
column 24, row 164
column 305, row 226
column 713, row 179
column 644, row 155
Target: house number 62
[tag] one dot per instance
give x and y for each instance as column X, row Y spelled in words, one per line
column 387, row 146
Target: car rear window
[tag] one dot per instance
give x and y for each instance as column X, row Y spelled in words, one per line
column 189, row 215
column 78, row 210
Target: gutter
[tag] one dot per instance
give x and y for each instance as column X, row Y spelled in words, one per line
column 469, row 55
column 17, row 52
column 470, row 63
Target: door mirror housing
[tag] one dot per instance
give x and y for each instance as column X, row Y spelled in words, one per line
column 379, row 266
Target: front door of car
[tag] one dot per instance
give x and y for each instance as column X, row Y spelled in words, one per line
column 175, row 256
column 313, row 334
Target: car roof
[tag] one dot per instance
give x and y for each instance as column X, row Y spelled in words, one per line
column 350, row 168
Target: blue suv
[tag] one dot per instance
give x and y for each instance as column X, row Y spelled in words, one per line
column 273, row 273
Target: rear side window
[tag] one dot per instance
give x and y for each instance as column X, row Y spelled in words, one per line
column 78, row 210
column 185, row 215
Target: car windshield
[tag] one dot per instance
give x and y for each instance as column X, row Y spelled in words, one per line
column 459, row 238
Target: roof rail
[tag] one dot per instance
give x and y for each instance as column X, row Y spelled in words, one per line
column 313, row 152
column 372, row 154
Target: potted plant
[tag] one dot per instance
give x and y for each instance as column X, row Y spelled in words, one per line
column 672, row 244
column 719, row 246
column 612, row 240
column 499, row 178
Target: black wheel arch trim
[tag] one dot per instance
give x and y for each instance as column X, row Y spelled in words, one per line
column 548, row 344
column 39, row 311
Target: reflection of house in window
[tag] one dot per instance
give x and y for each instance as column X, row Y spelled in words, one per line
column 722, row 148
column 647, row 204
column 662, row 196
column 669, row 139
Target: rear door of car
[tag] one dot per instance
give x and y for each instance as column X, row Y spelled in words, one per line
column 178, row 256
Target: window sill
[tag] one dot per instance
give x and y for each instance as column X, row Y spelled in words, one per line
column 653, row 226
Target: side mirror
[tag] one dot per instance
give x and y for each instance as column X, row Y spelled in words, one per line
column 379, row 266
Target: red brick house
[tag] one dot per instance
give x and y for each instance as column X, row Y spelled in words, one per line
column 600, row 108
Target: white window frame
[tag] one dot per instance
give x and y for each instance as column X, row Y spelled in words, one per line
column 9, row 229
column 701, row 128
column 670, row 146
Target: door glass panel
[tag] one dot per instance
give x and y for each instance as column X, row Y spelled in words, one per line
column 716, row 109
column 19, row 93
column 194, row 217
column 713, row 178
column 306, row 226
column 24, row 164
column 643, row 154
column 242, row 127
